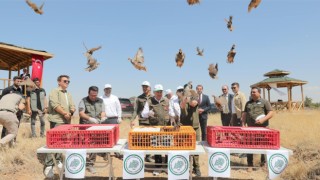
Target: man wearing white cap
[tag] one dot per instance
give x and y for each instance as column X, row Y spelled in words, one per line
column 156, row 110
column 112, row 105
column 139, row 104
column 174, row 107
column 138, row 107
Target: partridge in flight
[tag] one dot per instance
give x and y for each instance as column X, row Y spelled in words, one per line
column 36, row 9
column 231, row 54
column 138, row 60
column 90, row 51
column 91, row 61
column 213, row 70
column 229, row 23
column 253, row 4
column 192, row 2
column 200, row 52
column 180, row 58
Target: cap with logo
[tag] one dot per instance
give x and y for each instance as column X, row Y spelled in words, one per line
column 158, row 87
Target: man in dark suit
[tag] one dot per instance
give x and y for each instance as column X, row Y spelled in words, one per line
column 226, row 102
column 204, row 106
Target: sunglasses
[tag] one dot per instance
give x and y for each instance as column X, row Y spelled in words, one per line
column 66, row 81
column 233, row 87
column 224, row 89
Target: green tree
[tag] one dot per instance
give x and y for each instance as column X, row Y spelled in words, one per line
column 308, row 102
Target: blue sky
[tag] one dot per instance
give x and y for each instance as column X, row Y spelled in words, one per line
column 279, row 34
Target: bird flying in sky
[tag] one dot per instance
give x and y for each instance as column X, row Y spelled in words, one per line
column 138, row 60
column 36, row 9
column 213, row 70
column 231, row 54
column 180, row 58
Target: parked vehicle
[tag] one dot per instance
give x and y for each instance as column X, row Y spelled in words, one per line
column 213, row 108
column 126, row 106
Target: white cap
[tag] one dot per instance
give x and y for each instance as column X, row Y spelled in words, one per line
column 158, row 87
column 179, row 87
column 168, row 91
column 107, row 86
column 145, row 83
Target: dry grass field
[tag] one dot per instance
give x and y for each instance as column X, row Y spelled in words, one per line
column 299, row 132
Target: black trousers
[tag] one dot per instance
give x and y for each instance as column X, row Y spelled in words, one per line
column 225, row 119
column 203, row 126
column 250, row 159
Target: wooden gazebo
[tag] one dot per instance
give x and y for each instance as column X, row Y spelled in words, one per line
column 15, row 58
column 279, row 79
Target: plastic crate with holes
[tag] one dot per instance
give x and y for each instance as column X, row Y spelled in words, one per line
column 162, row 138
column 74, row 136
column 243, row 137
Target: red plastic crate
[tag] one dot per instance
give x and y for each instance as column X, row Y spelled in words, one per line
column 83, row 136
column 243, row 137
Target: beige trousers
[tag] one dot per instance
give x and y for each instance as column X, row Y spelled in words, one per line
column 10, row 122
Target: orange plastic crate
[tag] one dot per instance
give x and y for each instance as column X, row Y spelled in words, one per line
column 73, row 136
column 153, row 138
column 243, row 137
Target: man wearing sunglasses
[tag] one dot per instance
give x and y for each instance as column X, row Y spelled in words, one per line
column 238, row 105
column 60, row 110
column 226, row 100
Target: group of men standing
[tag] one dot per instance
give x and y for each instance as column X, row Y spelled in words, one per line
column 237, row 111
column 166, row 108
column 156, row 109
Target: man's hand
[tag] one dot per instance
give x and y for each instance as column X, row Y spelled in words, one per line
column 200, row 110
column 67, row 117
column 29, row 112
column 132, row 123
column 172, row 121
column 151, row 113
column 119, row 120
column 93, row 121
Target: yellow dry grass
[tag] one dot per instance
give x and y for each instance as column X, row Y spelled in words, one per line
column 299, row 131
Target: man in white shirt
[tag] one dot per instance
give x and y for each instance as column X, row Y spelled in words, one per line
column 174, row 107
column 112, row 106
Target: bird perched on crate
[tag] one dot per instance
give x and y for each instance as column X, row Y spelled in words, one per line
column 253, row 4
column 36, row 9
column 229, row 23
column 231, row 54
column 180, row 58
column 138, row 60
column 213, row 70
column 192, row 2
column 200, row 53
column 91, row 61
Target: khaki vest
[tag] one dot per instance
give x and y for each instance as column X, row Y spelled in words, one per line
column 92, row 109
column 33, row 100
column 161, row 111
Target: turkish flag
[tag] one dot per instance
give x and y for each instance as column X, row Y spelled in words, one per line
column 37, row 67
